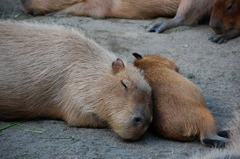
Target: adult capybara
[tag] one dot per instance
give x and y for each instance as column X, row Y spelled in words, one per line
column 179, row 110
column 185, row 12
column 225, row 20
column 53, row 72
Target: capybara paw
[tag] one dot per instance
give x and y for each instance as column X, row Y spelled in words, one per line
column 217, row 142
column 218, row 39
column 224, row 133
column 159, row 27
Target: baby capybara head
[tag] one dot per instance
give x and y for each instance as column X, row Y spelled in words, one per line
column 153, row 60
column 129, row 111
column 225, row 15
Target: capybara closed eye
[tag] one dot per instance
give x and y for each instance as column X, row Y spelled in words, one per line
column 54, row 72
column 225, row 20
column 179, row 110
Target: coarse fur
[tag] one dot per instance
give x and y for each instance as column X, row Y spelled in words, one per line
column 232, row 150
column 179, row 110
column 54, row 72
column 185, row 12
column 225, row 20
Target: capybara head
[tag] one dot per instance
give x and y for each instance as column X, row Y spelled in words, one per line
column 225, row 15
column 130, row 95
column 142, row 62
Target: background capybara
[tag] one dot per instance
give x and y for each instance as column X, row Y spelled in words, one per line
column 179, row 110
column 53, row 72
column 185, row 12
column 225, row 20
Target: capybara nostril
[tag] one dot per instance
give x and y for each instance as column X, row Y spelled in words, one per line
column 137, row 120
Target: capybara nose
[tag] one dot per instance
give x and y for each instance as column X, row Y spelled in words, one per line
column 217, row 29
column 215, row 25
column 141, row 120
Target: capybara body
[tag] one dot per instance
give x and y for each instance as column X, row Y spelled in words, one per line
column 185, row 12
column 54, row 72
column 225, row 20
column 179, row 110
column 130, row 9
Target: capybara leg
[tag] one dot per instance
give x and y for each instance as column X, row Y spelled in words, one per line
column 189, row 12
column 224, row 133
column 215, row 141
column 165, row 25
column 223, row 38
column 86, row 8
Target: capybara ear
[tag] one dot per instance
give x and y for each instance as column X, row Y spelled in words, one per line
column 138, row 56
column 117, row 65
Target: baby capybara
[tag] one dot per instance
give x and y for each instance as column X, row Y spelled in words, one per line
column 225, row 20
column 185, row 12
column 179, row 110
column 54, row 72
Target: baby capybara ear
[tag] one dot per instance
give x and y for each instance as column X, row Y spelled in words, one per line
column 137, row 56
column 117, row 65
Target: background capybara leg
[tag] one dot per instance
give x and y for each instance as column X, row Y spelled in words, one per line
column 189, row 12
column 165, row 25
column 175, row 22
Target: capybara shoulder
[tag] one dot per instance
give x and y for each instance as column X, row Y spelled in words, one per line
column 54, row 72
column 225, row 20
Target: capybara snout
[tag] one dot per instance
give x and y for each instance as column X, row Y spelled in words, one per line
column 53, row 72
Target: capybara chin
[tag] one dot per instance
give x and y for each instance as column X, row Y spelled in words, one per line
column 225, row 20
column 54, row 72
column 185, row 12
column 179, row 110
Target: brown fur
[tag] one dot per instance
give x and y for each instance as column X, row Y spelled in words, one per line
column 186, row 12
column 179, row 110
column 225, row 20
column 54, row 72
